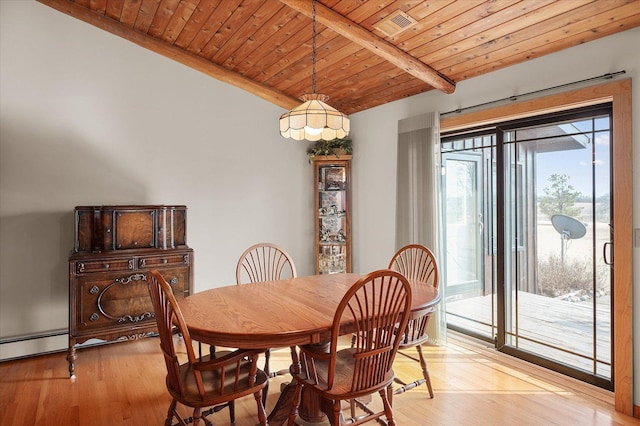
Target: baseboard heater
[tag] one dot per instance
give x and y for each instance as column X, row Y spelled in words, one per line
column 35, row 344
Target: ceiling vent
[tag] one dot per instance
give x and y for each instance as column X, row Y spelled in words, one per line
column 395, row 23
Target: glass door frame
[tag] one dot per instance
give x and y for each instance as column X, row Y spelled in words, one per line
column 504, row 337
column 504, row 198
column 619, row 93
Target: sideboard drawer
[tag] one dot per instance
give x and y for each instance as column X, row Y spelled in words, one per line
column 104, row 265
column 169, row 259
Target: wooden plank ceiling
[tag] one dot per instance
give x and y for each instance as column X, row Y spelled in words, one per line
column 265, row 46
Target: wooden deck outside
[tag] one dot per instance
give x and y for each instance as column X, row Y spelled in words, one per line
column 557, row 329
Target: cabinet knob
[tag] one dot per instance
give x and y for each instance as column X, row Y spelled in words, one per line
column 164, row 260
column 106, row 266
column 174, row 281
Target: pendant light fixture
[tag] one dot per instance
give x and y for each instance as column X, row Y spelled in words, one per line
column 314, row 119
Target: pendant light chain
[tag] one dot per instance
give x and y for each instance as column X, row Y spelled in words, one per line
column 314, row 119
column 313, row 47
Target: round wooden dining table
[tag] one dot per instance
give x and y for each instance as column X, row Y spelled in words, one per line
column 275, row 314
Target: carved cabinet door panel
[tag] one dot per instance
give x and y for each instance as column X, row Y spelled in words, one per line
column 108, row 300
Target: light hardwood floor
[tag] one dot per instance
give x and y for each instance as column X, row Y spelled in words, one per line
column 123, row 384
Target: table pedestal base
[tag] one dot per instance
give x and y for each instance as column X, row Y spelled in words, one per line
column 301, row 422
column 309, row 412
column 280, row 412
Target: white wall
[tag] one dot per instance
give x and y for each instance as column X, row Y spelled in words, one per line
column 89, row 118
column 375, row 136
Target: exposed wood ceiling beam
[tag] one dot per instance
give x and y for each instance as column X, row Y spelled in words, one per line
column 193, row 61
column 373, row 43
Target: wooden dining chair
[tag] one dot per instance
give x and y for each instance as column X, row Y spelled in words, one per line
column 215, row 380
column 266, row 262
column 374, row 307
column 416, row 262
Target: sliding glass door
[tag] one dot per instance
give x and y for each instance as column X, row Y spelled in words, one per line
column 535, row 276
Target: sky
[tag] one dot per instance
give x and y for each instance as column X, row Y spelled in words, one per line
column 577, row 164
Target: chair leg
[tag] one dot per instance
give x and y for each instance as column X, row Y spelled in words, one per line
column 337, row 413
column 262, row 414
column 267, row 370
column 196, row 416
column 232, row 411
column 425, row 371
column 267, row 358
column 386, row 394
column 352, row 406
column 295, row 360
column 171, row 413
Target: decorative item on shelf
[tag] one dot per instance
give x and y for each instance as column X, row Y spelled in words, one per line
column 324, row 234
column 314, row 119
column 337, row 147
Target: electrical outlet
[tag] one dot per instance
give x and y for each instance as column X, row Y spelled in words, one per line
column 636, row 238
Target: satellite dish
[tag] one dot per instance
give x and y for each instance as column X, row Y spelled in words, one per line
column 568, row 228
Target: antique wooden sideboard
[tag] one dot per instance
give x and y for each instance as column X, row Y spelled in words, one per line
column 114, row 248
